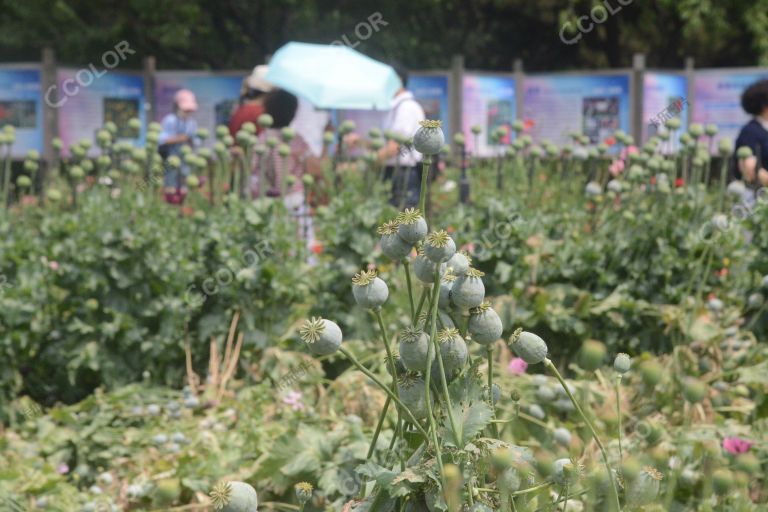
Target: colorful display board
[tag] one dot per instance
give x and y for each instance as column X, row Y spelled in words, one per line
column 489, row 101
column 217, row 96
column 21, row 107
column 558, row 105
column 431, row 91
column 86, row 101
column 717, row 99
column 664, row 96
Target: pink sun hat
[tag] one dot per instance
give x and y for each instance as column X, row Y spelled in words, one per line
column 185, row 100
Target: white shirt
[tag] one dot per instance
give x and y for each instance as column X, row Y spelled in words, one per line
column 404, row 118
column 310, row 123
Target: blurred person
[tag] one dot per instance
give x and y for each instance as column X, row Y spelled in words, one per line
column 178, row 129
column 402, row 119
column 255, row 87
column 754, row 134
column 282, row 106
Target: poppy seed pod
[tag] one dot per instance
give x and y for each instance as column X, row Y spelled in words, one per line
column 755, row 300
column 529, row 347
column 303, row 492
column 468, row 290
column 645, row 488
column 566, row 472
column 651, row 372
column 563, row 436
column 288, row 134
column 694, row 390
column 722, row 481
column 222, row 131
column 283, row 150
column 592, row 355
column 453, row 350
column 485, row 326
column 323, row 337
column 429, row 139
column 509, row 480
column 234, row 497
column 412, row 390
column 622, row 363
column 696, row 130
column 446, row 283
column 414, row 348
column 593, row 189
column 23, row 182
column 411, row 225
column 392, row 245
column 439, row 247
column 724, row 147
column 424, row 269
column 459, row 264
column 672, row 123
column 265, row 120
column 347, row 126
column 76, row 172
column 193, row 181
column 614, row 186
column 736, row 188
column 744, row 152
column 370, row 291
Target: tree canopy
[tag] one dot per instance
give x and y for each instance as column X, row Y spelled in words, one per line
column 236, row 34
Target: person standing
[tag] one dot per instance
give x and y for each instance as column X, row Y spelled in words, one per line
column 178, row 128
column 401, row 161
column 754, row 135
column 283, row 173
column 255, row 86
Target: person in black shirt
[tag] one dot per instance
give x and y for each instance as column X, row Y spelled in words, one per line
column 754, row 134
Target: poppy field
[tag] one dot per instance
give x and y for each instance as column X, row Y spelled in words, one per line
column 553, row 328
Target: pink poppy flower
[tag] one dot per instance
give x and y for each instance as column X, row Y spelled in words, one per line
column 293, row 399
column 736, row 445
column 517, row 366
column 616, row 167
column 62, row 469
column 53, row 265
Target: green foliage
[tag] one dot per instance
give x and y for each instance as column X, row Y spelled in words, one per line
column 238, row 33
column 104, row 294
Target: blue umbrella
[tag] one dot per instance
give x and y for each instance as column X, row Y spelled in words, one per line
column 333, row 76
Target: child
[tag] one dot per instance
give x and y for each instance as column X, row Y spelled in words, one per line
column 178, row 129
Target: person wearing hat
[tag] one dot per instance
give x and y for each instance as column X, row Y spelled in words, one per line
column 178, row 128
column 255, row 86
